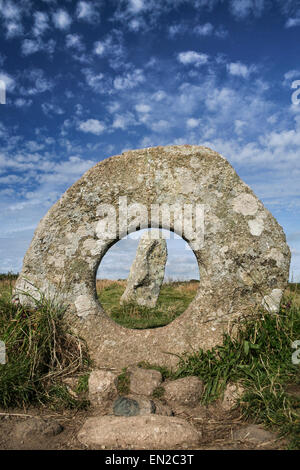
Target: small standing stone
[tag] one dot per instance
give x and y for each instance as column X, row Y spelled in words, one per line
column 147, row 271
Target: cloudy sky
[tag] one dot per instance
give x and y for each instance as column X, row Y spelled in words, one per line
column 89, row 79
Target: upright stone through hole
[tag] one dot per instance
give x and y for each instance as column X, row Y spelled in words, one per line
column 147, row 279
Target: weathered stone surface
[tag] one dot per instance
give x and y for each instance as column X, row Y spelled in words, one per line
column 144, row 381
column 37, row 427
column 231, row 396
column 138, row 432
column 135, row 405
column 253, row 433
column 186, row 391
column 102, row 386
column 127, row 406
column 243, row 262
column 147, row 270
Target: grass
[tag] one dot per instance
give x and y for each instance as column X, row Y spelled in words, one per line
column 41, row 351
column 260, row 359
column 173, row 300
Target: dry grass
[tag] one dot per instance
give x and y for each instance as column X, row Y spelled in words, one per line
column 191, row 286
column 105, row 283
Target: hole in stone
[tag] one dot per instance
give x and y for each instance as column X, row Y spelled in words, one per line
column 145, row 283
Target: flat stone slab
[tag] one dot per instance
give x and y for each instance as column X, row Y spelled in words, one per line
column 138, row 432
column 240, row 248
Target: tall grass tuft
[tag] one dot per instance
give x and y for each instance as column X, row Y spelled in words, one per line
column 41, row 351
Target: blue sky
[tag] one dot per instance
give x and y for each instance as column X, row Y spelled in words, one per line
column 86, row 80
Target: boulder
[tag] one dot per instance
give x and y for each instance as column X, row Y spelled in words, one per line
column 138, row 432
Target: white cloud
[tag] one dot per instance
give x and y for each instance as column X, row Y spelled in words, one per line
column 13, row 29
column 292, row 22
column 192, row 123
column 243, row 8
column 50, row 108
column 129, row 80
column 159, row 95
column 176, row 29
column 204, row 29
column 93, row 126
column 74, row 41
column 8, row 80
column 135, row 6
column 31, row 46
column 291, row 75
column 95, row 81
column 122, row 121
column 41, row 23
column 192, row 58
column 38, row 83
column 239, row 70
column 143, row 108
column 99, row 48
column 22, row 103
column 86, row 11
column 61, row 19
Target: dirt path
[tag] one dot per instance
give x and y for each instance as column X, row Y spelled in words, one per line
column 216, row 428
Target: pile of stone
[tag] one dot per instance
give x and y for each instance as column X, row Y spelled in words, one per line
column 139, row 420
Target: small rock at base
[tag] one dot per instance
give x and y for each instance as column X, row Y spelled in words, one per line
column 253, row 433
column 144, row 381
column 231, row 395
column 102, row 386
column 124, row 406
column 37, row 426
column 186, row 391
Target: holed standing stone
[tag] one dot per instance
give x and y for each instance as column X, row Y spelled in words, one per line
column 147, row 271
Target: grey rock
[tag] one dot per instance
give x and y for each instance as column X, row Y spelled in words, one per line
column 185, row 391
column 102, row 387
column 33, row 427
column 232, row 394
column 124, row 406
column 144, row 381
column 147, row 271
column 241, row 250
column 254, row 433
column 138, row 432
